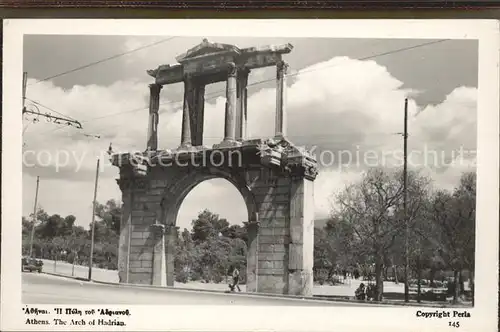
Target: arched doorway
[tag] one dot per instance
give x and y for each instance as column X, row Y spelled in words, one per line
column 212, row 236
column 171, row 206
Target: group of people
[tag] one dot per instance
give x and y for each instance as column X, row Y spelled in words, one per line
column 365, row 292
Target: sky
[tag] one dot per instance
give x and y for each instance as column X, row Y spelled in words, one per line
column 345, row 101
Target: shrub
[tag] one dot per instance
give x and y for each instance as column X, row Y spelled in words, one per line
column 182, row 276
column 195, row 275
column 320, row 276
column 218, row 278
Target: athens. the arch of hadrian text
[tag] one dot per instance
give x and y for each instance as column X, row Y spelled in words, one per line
column 274, row 177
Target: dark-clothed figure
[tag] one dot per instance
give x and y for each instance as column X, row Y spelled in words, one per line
column 360, row 293
column 236, row 279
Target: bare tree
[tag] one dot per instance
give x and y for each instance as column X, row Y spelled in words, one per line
column 372, row 208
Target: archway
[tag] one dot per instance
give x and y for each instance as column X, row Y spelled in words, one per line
column 170, row 207
column 274, row 177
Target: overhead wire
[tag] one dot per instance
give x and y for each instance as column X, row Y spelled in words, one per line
column 102, row 60
column 87, row 66
column 217, row 93
column 49, row 108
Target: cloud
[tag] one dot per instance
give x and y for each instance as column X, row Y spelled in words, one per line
column 343, row 108
column 138, row 46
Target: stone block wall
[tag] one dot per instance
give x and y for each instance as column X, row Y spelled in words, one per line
column 280, row 247
column 271, row 194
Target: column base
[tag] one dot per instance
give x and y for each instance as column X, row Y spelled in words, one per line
column 159, row 270
column 300, row 282
column 279, row 137
column 227, row 144
column 186, row 147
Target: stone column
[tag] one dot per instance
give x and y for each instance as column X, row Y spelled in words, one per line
column 170, row 242
column 154, row 106
column 159, row 260
column 241, row 111
column 186, row 117
column 230, row 124
column 280, row 126
column 197, row 114
column 252, row 255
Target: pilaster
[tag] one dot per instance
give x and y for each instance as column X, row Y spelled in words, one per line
column 159, row 259
column 252, row 255
column 125, row 230
column 301, row 247
column 170, row 244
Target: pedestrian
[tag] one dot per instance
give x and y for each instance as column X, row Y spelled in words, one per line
column 236, row 279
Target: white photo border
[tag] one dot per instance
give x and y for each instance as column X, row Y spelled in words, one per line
column 227, row 318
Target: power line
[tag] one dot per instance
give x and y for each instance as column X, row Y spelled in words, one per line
column 48, row 108
column 215, row 94
column 103, row 60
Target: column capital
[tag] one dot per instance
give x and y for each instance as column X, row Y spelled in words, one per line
column 243, row 71
column 282, row 67
column 155, row 87
column 158, row 228
column 253, row 224
column 232, row 69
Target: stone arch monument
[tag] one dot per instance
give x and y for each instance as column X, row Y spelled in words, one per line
column 274, row 177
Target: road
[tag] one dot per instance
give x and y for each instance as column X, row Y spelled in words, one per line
column 48, row 289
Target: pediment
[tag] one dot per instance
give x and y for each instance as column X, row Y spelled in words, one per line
column 207, row 48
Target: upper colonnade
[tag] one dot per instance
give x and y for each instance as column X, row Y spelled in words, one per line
column 209, row 63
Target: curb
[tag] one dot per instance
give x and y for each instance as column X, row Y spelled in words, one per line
column 318, row 298
column 183, row 289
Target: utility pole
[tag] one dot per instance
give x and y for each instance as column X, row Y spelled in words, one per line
column 91, row 258
column 25, row 81
column 405, row 213
column 34, row 217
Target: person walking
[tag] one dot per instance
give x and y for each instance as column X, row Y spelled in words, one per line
column 236, row 279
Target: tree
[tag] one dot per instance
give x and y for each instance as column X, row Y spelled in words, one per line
column 342, row 245
column 208, row 225
column 453, row 216
column 236, row 232
column 110, row 213
column 52, row 227
column 324, row 258
column 372, row 210
column 184, row 256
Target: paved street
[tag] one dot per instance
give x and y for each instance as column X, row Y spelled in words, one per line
column 47, row 289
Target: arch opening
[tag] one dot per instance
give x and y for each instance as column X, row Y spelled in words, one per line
column 210, row 215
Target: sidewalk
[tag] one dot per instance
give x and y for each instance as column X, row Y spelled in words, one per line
column 342, row 292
